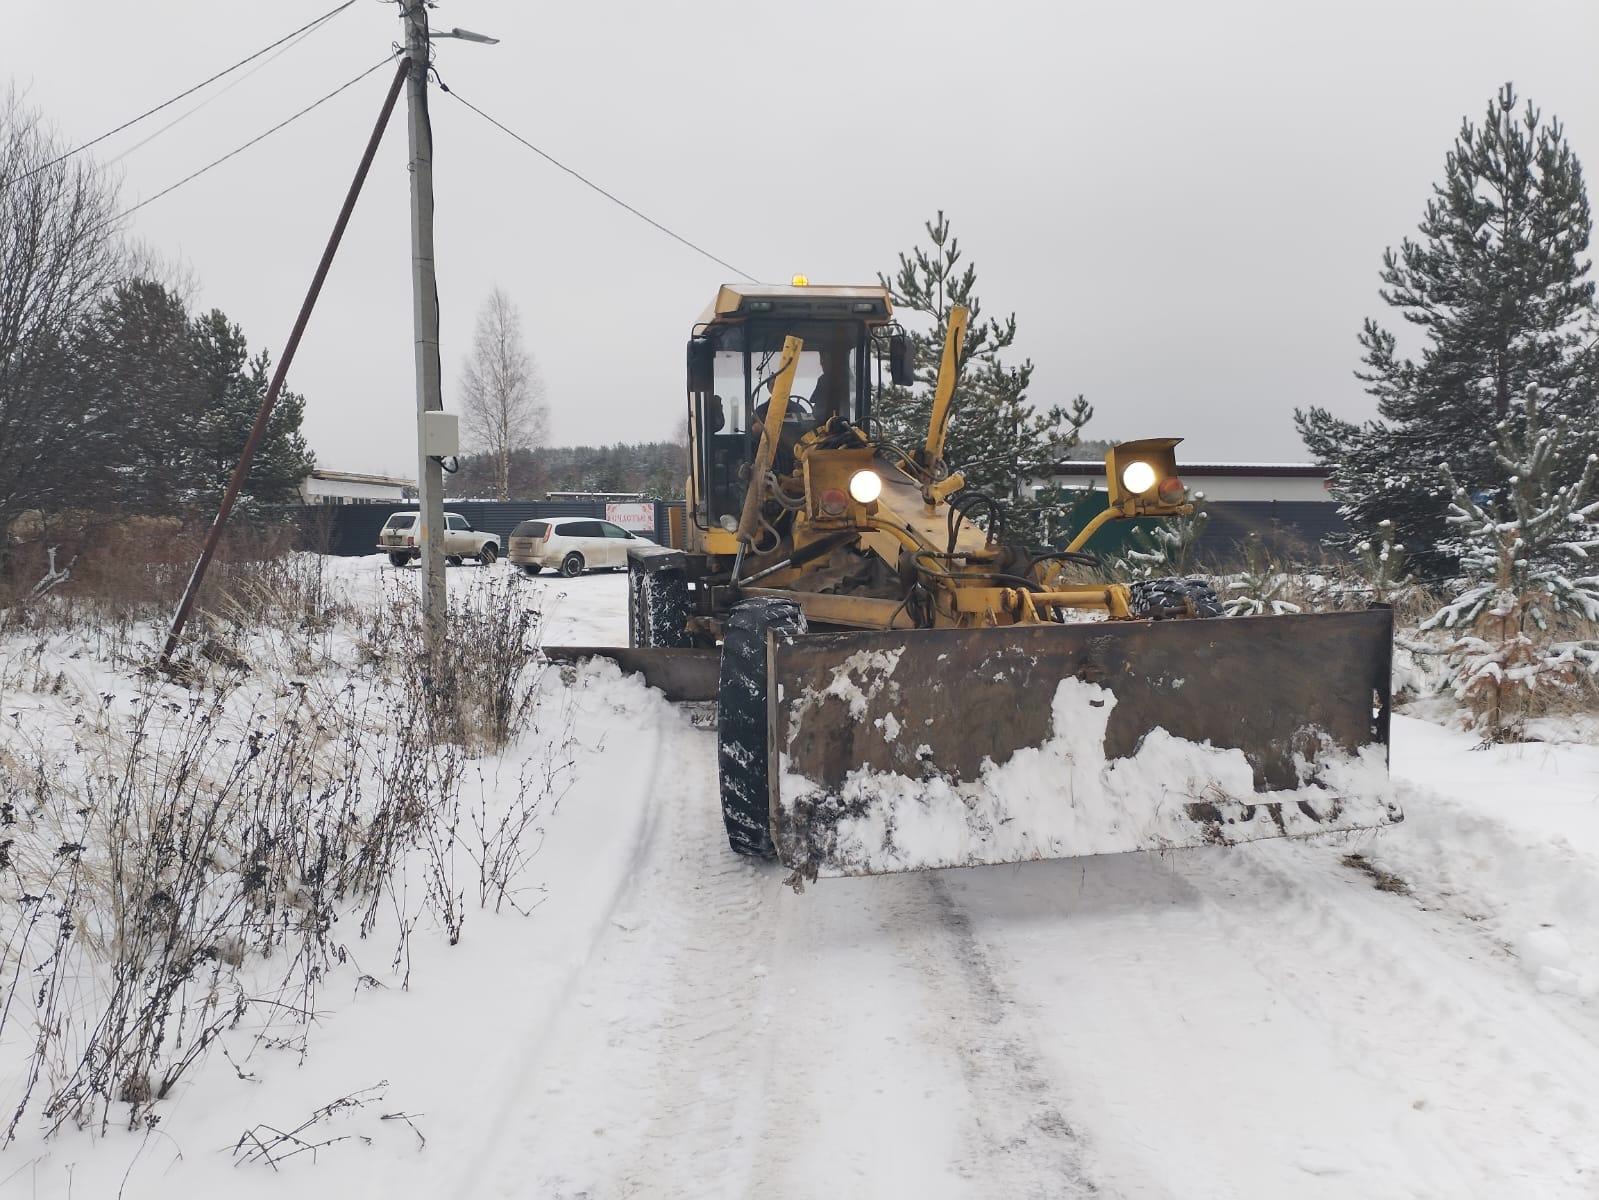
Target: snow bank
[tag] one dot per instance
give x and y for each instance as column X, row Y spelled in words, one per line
column 1065, row 798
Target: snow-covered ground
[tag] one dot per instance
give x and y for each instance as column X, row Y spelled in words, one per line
column 1262, row 1021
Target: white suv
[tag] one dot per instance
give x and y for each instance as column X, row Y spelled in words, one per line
column 400, row 540
column 571, row 545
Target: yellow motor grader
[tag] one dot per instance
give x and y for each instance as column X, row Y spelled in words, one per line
column 900, row 685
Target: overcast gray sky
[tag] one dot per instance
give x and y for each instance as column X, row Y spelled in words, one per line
column 1185, row 203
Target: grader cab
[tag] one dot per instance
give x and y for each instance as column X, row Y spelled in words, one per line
column 902, row 683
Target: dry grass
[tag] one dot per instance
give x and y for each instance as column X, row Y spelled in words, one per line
column 174, row 872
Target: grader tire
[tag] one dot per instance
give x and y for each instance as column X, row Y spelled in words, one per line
column 1173, row 599
column 658, row 608
column 741, row 745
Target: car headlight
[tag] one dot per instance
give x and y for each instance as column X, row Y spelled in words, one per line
column 1138, row 477
column 865, row 486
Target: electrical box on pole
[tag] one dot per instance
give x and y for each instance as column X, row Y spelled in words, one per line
column 441, row 434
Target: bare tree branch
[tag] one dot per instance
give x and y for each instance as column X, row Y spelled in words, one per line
column 57, row 254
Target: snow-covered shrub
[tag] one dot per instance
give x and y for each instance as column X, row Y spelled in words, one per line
column 1530, row 588
column 1264, row 586
column 1164, row 550
column 1385, row 566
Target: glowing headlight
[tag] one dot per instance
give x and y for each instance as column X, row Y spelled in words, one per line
column 865, row 486
column 1138, row 477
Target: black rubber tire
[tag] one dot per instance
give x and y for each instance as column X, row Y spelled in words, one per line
column 452, row 560
column 488, row 554
column 399, row 560
column 741, row 748
column 657, row 609
column 531, row 568
column 572, row 565
column 1173, row 599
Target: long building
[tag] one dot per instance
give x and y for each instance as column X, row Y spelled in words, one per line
column 1287, row 506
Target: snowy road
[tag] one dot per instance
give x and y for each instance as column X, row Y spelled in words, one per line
column 1260, row 1021
column 670, row 1021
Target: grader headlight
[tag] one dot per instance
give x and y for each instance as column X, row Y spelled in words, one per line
column 865, row 486
column 1143, row 475
column 1138, row 477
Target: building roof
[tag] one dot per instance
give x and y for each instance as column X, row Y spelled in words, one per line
column 1094, row 467
column 355, row 477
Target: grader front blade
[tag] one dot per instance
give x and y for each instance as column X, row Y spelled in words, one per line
column 901, row 751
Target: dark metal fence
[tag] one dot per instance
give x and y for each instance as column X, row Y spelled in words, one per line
column 1290, row 529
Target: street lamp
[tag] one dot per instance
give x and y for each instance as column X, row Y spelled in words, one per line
column 466, row 35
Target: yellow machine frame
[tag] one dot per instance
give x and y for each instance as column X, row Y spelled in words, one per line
column 911, row 515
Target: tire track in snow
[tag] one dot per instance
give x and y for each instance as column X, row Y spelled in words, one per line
column 711, row 1053
column 645, row 1086
column 1410, row 1001
column 1019, row 1142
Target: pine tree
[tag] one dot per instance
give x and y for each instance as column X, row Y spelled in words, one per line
column 138, row 387
column 1165, row 548
column 997, row 438
column 1497, row 285
column 232, row 386
column 1529, row 554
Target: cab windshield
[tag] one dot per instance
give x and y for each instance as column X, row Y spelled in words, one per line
column 827, row 380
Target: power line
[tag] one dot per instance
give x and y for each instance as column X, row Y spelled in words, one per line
column 589, row 183
column 211, row 99
column 315, row 104
column 306, row 28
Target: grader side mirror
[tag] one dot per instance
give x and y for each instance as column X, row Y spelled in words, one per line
column 901, row 361
column 701, row 364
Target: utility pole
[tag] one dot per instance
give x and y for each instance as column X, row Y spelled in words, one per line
column 425, row 327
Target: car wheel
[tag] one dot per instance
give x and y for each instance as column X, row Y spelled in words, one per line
column 399, row 560
column 572, row 564
column 488, row 554
column 453, row 560
column 531, row 568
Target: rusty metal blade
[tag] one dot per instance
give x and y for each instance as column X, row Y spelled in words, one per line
column 688, row 673
column 903, row 750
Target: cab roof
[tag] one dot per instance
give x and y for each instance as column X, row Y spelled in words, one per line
column 735, row 301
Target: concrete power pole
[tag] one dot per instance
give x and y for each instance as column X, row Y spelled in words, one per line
column 425, row 327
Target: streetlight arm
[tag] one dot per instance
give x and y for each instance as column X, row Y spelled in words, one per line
column 466, row 35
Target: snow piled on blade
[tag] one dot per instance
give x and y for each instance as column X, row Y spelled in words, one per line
column 1065, row 798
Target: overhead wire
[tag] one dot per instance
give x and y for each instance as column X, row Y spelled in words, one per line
column 217, row 162
column 589, row 183
column 150, row 112
column 211, row 99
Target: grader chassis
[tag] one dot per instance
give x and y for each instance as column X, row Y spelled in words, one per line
column 880, row 650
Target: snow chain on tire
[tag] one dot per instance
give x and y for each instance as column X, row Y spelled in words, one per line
column 1172, row 599
column 741, row 748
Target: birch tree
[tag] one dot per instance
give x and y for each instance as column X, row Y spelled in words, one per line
column 503, row 408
